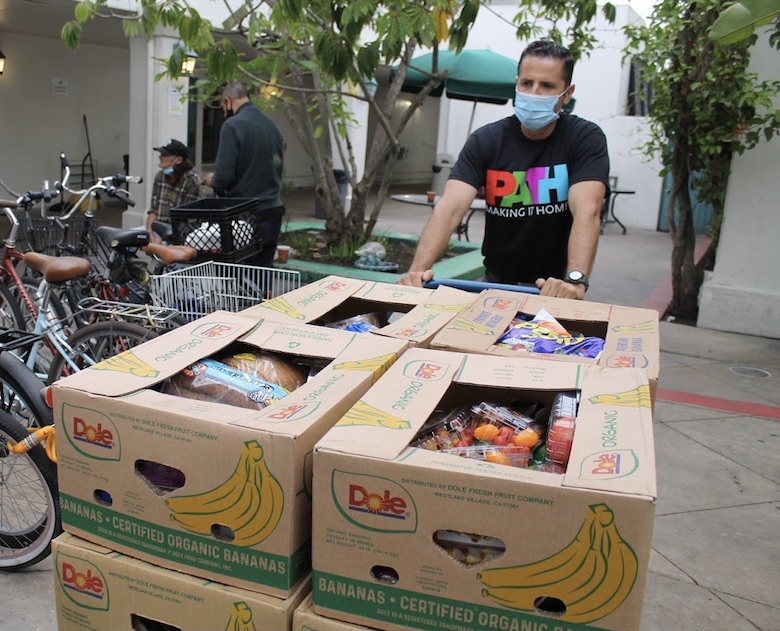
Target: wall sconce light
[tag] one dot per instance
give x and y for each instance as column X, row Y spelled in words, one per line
column 188, row 65
column 188, row 59
column 2, row 62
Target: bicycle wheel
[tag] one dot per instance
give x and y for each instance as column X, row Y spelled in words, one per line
column 29, row 501
column 97, row 342
column 56, row 310
column 11, row 316
column 20, row 393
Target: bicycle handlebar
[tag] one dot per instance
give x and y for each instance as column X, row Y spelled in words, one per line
column 110, row 185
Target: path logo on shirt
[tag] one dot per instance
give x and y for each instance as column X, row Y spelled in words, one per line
column 538, row 186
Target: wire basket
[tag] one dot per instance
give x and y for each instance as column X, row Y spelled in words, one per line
column 201, row 289
column 45, row 236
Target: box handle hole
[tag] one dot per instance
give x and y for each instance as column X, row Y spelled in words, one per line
column 103, row 497
column 384, row 574
column 142, row 623
column 550, row 606
column 162, row 478
column 223, row 533
column 468, row 548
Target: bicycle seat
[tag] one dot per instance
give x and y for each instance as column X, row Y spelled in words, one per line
column 164, row 230
column 121, row 238
column 170, row 254
column 57, row 269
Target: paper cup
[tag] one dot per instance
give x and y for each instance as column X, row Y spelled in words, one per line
column 431, row 196
column 282, row 252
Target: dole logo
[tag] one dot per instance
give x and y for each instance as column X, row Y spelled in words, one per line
column 98, row 436
column 213, row 331
column 373, row 503
column 335, row 285
column 287, row 412
column 82, row 582
column 426, row 370
column 383, row 503
column 500, row 304
column 627, row 360
column 91, row 433
column 406, row 332
column 617, row 463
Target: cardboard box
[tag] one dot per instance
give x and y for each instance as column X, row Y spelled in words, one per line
column 304, row 619
column 581, row 539
column 250, row 468
column 631, row 335
column 97, row 588
column 417, row 313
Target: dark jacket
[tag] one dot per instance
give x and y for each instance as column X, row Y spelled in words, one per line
column 250, row 158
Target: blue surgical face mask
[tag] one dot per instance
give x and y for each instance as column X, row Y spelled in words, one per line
column 168, row 170
column 536, row 111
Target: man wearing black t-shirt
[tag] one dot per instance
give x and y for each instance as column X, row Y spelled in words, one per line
column 545, row 174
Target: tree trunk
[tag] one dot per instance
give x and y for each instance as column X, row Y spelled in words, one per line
column 686, row 279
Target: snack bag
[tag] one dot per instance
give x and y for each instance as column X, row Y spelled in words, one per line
column 544, row 334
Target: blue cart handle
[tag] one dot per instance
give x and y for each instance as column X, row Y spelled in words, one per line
column 477, row 286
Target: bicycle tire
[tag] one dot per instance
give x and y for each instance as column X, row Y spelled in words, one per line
column 29, row 501
column 11, row 316
column 97, row 342
column 20, row 393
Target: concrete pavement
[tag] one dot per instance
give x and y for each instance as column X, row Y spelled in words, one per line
column 716, row 548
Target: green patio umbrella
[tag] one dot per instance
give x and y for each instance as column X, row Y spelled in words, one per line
column 477, row 75
column 474, row 75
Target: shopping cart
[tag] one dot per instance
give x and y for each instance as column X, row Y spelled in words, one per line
column 201, row 289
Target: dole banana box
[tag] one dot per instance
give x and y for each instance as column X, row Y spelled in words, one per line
column 98, row 588
column 213, row 490
column 304, row 619
column 413, row 314
column 410, row 538
column 631, row 335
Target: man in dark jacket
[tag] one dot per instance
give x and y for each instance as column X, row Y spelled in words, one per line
column 250, row 161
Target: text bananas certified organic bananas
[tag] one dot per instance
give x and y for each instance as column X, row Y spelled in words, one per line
column 249, row 502
column 591, row 576
column 240, row 618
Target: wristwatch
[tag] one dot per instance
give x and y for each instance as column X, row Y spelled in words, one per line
column 576, row 277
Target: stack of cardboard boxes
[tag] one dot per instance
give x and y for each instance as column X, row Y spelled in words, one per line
column 168, row 501
column 334, row 476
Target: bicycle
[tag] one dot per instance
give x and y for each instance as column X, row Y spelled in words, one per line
column 29, row 499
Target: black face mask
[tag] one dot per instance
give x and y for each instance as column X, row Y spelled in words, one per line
column 229, row 113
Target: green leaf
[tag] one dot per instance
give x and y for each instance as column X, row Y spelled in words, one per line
column 738, row 21
column 71, row 35
column 83, row 12
column 222, row 61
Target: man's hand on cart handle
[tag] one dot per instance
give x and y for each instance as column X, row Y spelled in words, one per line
column 557, row 288
column 415, row 279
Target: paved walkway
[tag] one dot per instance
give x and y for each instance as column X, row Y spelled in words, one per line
column 716, row 549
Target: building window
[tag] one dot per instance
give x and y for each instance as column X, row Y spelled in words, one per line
column 640, row 91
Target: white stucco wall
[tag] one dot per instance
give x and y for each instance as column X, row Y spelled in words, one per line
column 742, row 294
column 40, row 120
